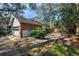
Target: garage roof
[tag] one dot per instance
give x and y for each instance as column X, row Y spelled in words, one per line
column 24, row 20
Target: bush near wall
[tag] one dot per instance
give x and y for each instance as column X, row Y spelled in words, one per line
column 38, row 33
column 2, row 31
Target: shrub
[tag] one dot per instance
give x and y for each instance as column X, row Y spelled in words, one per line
column 59, row 49
column 2, row 31
column 38, row 33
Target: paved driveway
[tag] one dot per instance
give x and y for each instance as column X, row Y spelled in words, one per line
column 2, row 39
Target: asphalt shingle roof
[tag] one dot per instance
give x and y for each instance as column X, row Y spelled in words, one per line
column 24, row 20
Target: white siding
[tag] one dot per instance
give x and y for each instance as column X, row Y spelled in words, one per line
column 16, row 33
column 16, row 24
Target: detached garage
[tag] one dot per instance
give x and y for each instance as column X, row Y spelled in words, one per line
column 20, row 26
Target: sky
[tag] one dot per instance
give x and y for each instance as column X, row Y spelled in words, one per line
column 29, row 14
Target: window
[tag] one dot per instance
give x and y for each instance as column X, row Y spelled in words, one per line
column 15, row 28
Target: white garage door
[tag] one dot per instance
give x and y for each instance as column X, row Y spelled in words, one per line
column 26, row 33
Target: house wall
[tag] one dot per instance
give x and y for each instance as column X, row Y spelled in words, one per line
column 29, row 26
column 26, row 28
column 22, row 29
column 15, row 22
column 15, row 27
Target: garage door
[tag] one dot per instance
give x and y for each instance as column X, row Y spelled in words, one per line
column 26, row 33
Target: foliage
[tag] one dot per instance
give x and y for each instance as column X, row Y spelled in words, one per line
column 8, row 9
column 67, row 13
column 2, row 31
column 46, row 12
column 38, row 33
column 59, row 49
column 59, row 24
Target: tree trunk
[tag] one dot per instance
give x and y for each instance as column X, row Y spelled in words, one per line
column 77, row 29
column 50, row 24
